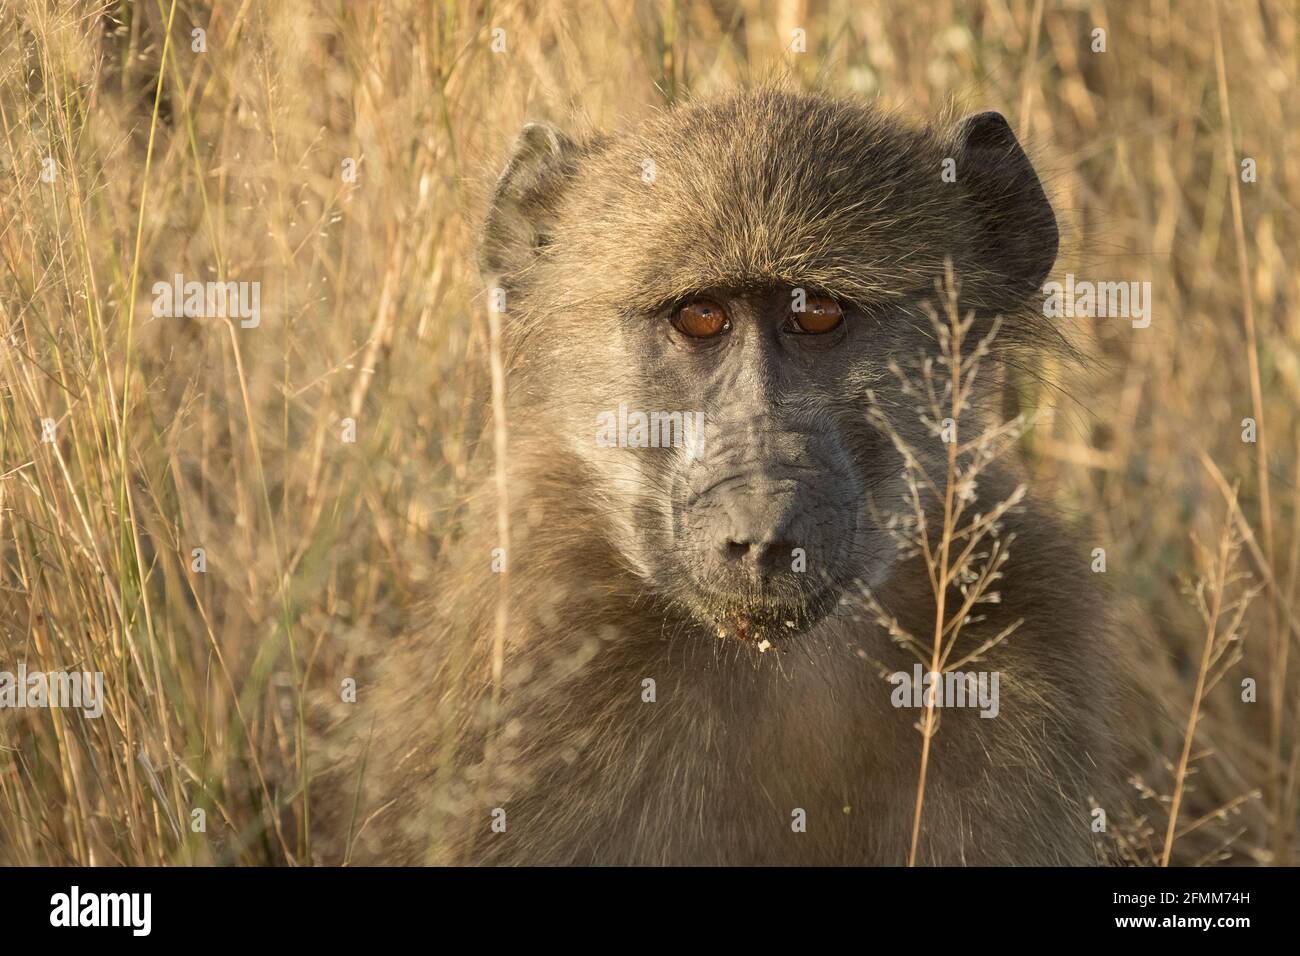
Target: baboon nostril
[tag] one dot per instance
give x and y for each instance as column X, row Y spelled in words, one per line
column 737, row 550
column 776, row 555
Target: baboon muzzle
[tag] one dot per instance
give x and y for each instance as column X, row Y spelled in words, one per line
column 767, row 545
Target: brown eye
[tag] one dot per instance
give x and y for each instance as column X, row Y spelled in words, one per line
column 821, row 314
column 701, row 319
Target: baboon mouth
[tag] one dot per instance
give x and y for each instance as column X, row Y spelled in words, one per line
column 746, row 630
column 763, row 624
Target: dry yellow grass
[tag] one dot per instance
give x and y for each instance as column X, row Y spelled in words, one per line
column 127, row 157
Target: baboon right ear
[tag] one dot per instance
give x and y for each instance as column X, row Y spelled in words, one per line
column 527, row 195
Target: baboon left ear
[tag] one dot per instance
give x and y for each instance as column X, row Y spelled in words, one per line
column 1017, row 228
column 527, row 194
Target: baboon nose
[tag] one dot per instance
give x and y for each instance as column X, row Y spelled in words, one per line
column 758, row 557
column 755, row 537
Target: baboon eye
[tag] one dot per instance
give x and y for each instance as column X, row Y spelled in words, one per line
column 701, row 319
column 821, row 314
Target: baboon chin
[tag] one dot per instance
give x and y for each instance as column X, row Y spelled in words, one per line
column 698, row 316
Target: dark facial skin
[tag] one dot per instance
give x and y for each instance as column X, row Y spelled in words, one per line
column 759, row 534
column 775, row 486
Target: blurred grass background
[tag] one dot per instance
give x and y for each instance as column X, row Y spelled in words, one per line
column 228, row 164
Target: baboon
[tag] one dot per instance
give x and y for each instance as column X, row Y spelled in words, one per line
column 671, row 687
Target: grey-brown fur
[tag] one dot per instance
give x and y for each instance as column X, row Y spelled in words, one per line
column 757, row 190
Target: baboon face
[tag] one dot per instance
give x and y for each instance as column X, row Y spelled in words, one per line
column 697, row 309
column 760, row 518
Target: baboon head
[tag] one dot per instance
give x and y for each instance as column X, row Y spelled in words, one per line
column 751, row 264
